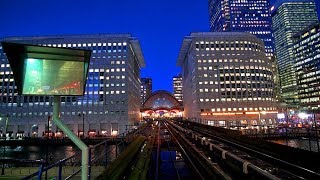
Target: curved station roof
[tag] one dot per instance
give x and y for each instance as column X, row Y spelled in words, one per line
column 162, row 101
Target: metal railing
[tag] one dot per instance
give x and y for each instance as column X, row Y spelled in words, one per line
column 94, row 160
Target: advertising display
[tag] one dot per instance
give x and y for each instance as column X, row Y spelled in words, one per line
column 49, row 71
column 53, row 77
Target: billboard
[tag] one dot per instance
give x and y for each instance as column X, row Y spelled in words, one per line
column 52, row 77
column 40, row 70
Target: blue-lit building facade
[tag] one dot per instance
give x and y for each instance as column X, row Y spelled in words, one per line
column 177, row 87
column 318, row 9
column 243, row 16
column 146, row 88
column 288, row 18
column 306, row 50
column 112, row 95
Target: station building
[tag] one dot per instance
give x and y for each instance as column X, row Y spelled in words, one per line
column 227, row 79
column 162, row 104
column 112, row 94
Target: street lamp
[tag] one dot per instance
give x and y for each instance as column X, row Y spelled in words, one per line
column 82, row 123
column 316, row 129
column 5, row 139
column 261, row 112
column 47, row 147
column 303, row 115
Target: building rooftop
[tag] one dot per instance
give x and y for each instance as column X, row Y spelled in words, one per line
column 134, row 41
column 188, row 39
column 278, row 3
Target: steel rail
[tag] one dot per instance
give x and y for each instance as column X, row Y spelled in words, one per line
column 263, row 154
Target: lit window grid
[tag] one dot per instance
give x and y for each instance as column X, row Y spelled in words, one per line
column 89, row 93
column 245, row 16
column 296, row 16
column 206, row 58
column 307, row 59
column 177, row 88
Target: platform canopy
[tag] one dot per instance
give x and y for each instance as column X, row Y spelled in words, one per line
column 41, row 70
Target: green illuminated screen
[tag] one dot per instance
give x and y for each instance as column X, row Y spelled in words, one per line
column 53, row 77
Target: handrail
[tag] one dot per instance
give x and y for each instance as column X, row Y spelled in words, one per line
column 75, row 173
column 22, row 160
column 94, row 159
column 51, row 166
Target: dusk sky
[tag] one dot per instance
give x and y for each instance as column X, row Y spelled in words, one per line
column 160, row 25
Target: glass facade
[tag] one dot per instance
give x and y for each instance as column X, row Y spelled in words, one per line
column 112, row 91
column 177, row 88
column 306, row 51
column 288, row 18
column 146, row 89
column 243, row 16
column 318, row 9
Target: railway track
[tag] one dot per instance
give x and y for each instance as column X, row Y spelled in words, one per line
column 197, row 162
column 234, row 158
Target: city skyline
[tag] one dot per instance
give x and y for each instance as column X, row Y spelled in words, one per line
column 146, row 21
column 160, row 26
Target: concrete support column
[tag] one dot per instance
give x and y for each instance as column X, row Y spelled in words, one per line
column 86, row 126
column 41, row 129
column 15, row 130
column 27, row 129
column 250, row 122
column 54, row 128
column 75, row 128
column 259, row 124
column 227, row 124
column 109, row 128
column 98, row 131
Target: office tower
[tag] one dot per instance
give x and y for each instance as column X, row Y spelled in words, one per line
column 288, row 18
column 243, row 16
column 146, row 89
column 227, row 77
column 112, row 95
column 306, row 50
column 177, row 88
column 318, row 9
column 246, row 16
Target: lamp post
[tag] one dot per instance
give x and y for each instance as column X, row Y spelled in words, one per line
column 47, row 147
column 5, row 139
column 82, row 123
column 260, row 112
column 287, row 124
column 316, row 129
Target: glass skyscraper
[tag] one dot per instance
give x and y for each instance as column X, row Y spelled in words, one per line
column 146, row 89
column 306, row 50
column 243, row 16
column 288, row 18
column 318, row 8
column 177, row 87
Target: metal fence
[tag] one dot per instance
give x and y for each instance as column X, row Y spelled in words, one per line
column 100, row 155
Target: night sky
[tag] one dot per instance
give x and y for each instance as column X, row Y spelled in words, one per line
column 160, row 25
